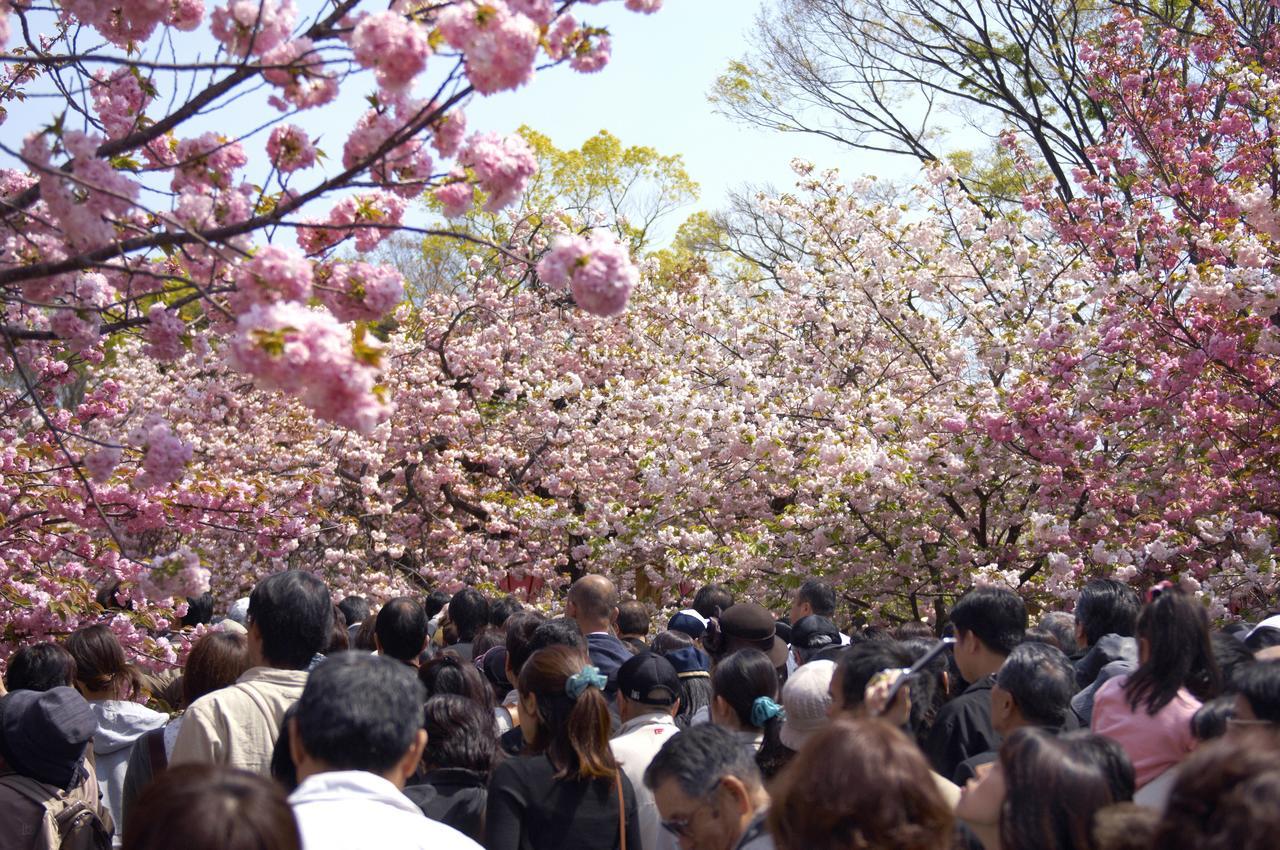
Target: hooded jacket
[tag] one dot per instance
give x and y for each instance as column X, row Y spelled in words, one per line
column 120, row 723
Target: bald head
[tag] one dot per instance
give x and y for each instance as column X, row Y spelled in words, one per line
column 593, row 602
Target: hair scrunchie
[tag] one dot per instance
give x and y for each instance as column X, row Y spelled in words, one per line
column 763, row 710
column 587, row 677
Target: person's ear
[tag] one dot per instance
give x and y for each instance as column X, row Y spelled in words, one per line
column 296, row 751
column 1081, row 638
column 720, row 709
column 1002, row 705
column 675, row 707
column 613, row 615
column 377, row 644
column 412, row 757
column 733, row 790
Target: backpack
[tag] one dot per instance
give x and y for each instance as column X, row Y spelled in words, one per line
column 68, row 824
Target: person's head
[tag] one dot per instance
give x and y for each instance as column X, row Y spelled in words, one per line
column 460, row 734
column 436, row 600
column 689, row 623
column 1174, row 651
column 401, row 630
column 914, row 630
column 1106, row 607
column 806, row 702
column 102, row 671
column 855, row 669
column 1055, row 783
column 561, row 631
column 706, row 786
column 290, row 620
column 990, row 622
column 44, row 734
column 1062, row 626
column 486, row 639
column 199, row 610
column 216, row 661
column 354, row 610
column 812, row 634
column 469, row 612
column 633, row 619
column 711, row 600
column 359, row 712
column 1230, row 653
column 520, row 628
column 647, row 684
column 859, row 783
column 1264, row 635
column 745, row 693
column 447, row 673
column 1226, row 796
column 211, row 807
column 339, row 638
column 40, row 667
column 1125, row 826
column 1033, row 688
column 1257, row 693
column 693, row 668
column 563, row 712
column 928, row 686
column 670, row 641
column 746, row 625
column 1214, row 718
column 592, row 603
column 814, row 596
column 364, row 639
column 502, row 608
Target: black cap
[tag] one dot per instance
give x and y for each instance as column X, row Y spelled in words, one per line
column 43, row 734
column 812, row 633
column 648, row 678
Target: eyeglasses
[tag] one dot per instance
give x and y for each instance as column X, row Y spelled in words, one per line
column 680, row 826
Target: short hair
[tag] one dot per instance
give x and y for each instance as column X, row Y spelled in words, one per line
column 1124, row 826
column 354, row 609
column 469, row 610
column 1259, row 684
column 633, row 618
column 712, row 599
column 520, row 629
column 1263, row 637
column 1226, row 796
column 216, row 661
column 211, row 807
column 1062, row 626
column 558, row 632
column 915, row 630
column 1107, row 607
column 1229, row 652
column 402, row 628
column 199, row 610
column 360, row 712
column 996, row 615
column 859, row 783
column 820, row 595
column 460, row 734
column 486, row 639
column 699, row 757
column 40, row 667
column 447, row 673
column 101, row 664
column 1212, row 719
column 594, row 595
column 1041, row 681
column 436, row 600
column 502, row 609
column 294, row 614
column 861, row 662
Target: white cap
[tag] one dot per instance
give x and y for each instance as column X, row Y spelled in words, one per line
column 806, row 697
column 1269, row 623
column 239, row 611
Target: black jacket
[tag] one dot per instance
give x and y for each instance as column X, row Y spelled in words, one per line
column 455, row 797
column 963, row 729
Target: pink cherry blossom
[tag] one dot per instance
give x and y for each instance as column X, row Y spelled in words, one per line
column 393, row 45
column 290, row 148
column 596, row 269
column 502, row 165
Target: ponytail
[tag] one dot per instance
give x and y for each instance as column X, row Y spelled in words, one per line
column 573, row 721
column 748, row 682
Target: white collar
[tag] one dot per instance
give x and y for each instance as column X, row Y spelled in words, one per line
column 653, row 718
column 337, row 785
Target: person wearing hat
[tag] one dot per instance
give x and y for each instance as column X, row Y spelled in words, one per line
column 689, row 622
column 747, row 625
column 810, row 636
column 693, row 668
column 648, row 699
column 806, row 698
column 44, row 736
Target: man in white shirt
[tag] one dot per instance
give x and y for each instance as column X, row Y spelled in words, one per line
column 648, row 699
column 356, row 737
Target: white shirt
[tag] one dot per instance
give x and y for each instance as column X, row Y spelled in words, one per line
column 357, row 810
column 638, row 741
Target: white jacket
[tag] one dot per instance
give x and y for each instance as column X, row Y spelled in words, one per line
column 635, row 746
column 357, row 810
column 120, row 723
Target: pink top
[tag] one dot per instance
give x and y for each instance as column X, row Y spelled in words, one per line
column 1154, row 743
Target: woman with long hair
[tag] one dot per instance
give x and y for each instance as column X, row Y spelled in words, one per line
column 1149, row 712
column 745, row 693
column 568, row 793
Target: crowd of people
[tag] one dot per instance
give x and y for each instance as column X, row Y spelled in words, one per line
column 452, row 722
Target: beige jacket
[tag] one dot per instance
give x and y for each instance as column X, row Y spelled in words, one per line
column 239, row 725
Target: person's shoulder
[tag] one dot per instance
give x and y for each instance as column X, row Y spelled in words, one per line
column 1110, row 688
column 434, row 835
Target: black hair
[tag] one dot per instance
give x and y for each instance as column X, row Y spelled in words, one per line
column 820, row 595
column 996, row 615
column 40, row 667
column 199, row 610
column 1062, row 626
column 1259, row 684
column 447, row 673
column 928, row 687
column 670, row 641
column 699, row 757
column 633, row 618
column 861, row 662
column 402, row 628
column 469, row 611
column 712, row 599
column 360, row 712
column 558, row 632
column 294, row 614
column 436, row 600
column 740, row 679
column 1230, row 652
column 282, row 768
column 1107, row 607
column 1210, row 719
column 460, row 734
column 503, row 608
column 1041, row 681
column 354, row 609
column 1180, row 654
column 520, row 629
column 1262, row 638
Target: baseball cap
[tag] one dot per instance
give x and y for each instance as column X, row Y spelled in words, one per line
column 689, row 662
column 688, row 621
column 649, row 678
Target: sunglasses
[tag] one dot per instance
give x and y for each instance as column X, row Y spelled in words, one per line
column 680, row 826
